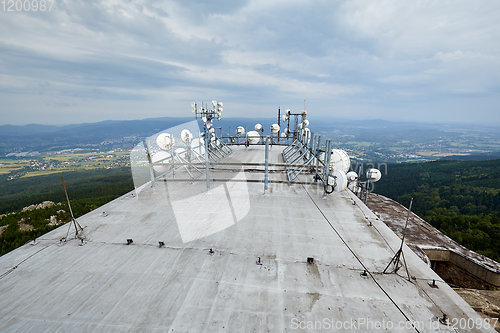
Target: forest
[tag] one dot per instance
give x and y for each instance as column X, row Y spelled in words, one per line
column 87, row 189
column 460, row 198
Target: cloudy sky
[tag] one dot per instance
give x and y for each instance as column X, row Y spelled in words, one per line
column 86, row 61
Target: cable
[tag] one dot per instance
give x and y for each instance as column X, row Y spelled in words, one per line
column 359, row 260
column 14, row 267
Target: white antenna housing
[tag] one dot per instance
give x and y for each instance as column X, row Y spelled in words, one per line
column 373, row 175
column 258, row 127
column 186, row 136
column 240, row 130
column 340, row 160
column 275, row 128
column 165, row 141
column 352, row 176
column 307, row 133
column 253, row 137
column 338, row 180
column 305, row 122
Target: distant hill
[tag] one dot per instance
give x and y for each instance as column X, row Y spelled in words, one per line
column 43, row 137
column 368, row 140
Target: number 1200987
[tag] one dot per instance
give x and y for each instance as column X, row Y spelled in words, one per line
column 27, row 5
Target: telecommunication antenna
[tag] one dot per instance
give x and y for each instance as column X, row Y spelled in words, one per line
column 207, row 116
column 78, row 227
column 397, row 257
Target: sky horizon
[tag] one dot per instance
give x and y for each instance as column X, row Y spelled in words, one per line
column 89, row 61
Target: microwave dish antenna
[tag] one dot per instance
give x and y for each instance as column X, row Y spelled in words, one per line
column 340, row 160
column 253, row 137
column 165, row 141
column 352, row 176
column 338, row 180
column 186, row 136
column 373, row 175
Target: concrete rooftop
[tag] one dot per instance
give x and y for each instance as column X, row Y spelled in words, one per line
column 234, row 260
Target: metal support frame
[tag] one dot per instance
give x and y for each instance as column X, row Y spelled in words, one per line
column 266, row 176
column 304, row 151
column 207, row 162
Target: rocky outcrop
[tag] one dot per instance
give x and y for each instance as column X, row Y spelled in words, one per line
column 42, row 205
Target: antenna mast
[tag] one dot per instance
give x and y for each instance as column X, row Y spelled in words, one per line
column 397, row 257
column 78, row 227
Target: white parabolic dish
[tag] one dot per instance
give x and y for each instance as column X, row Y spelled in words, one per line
column 253, row 137
column 340, row 160
column 338, row 180
column 165, row 141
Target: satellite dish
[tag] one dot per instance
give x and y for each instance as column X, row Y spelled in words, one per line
column 258, row 127
column 288, row 112
column 340, row 160
column 161, row 159
column 284, row 118
column 186, row 136
column 165, row 141
column 352, row 176
column 283, row 135
column 338, row 180
column 373, row 175
column 253, row 137
column 240, row 130
column 306, row 123
column 275, row 128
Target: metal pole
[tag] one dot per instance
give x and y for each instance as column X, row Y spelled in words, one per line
column 75, row 223
column 207, row 170
column 318, row 146
column 279, row 123
column 328, row 154
column 266, row 164
column 150, row 161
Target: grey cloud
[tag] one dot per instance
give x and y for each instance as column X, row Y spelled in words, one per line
column 394, row 58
